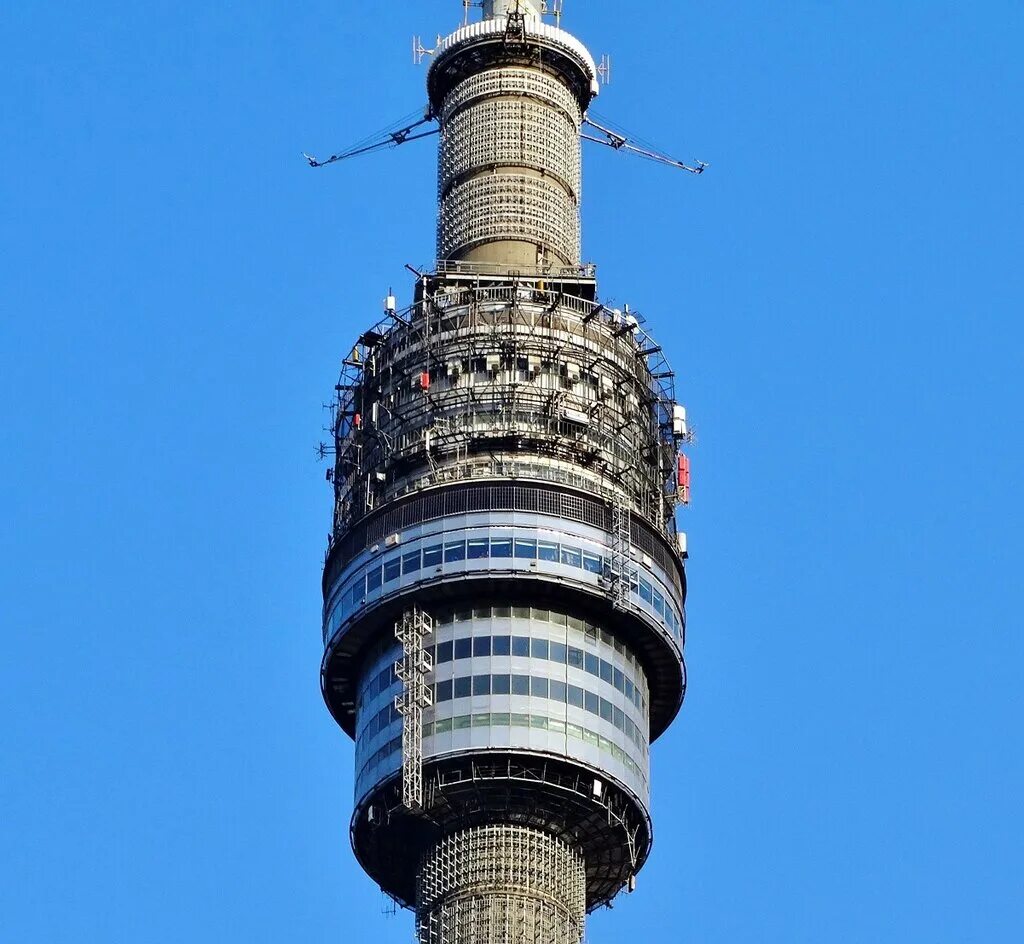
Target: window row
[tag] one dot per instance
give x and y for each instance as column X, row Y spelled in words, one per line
column 584, row 630
column 453, row 552
column 513, row 720
column 523, row 646
column 514, row 684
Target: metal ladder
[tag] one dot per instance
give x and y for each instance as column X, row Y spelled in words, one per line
column 412, row 670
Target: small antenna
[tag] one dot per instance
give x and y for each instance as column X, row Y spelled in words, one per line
column 605, row 69
column 419, row 50
column 554, row 8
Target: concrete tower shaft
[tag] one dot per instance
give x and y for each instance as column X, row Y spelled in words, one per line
column 505, row 586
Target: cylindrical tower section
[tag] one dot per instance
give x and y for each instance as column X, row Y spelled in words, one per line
column 509, row 94
column 501, row 883
column 509, row 171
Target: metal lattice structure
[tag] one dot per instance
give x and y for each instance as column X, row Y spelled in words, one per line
column 505, row 584
column 505, row 884
column 412, row 672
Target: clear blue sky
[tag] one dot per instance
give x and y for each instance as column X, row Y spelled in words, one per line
column 841, row 295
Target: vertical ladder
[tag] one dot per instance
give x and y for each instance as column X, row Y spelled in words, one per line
column 621, row 567
column 412, row 670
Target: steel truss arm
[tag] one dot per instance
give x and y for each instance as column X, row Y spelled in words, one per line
column 388, row 139
column 620, row 142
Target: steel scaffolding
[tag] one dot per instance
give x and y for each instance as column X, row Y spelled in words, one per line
column 501, row 885
column 412, row 670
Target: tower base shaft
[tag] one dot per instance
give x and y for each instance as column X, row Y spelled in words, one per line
column 501, row 885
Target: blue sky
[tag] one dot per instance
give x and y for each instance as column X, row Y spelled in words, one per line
column 841, row 296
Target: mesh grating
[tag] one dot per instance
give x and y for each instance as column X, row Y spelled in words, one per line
column 501, row 885
column 509, row 206
column 509, row 164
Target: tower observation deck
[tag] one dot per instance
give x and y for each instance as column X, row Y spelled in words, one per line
column 504, row 586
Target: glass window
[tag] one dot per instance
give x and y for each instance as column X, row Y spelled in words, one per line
column 607, row 673
column 520, row 684
column 462, row 722
column 444, row 652
column 444, row 691
column 501, row 719
column 501, row 548
column 619, row 719
column 539, row 721
column 628, row 687
column 373, row 580
column 607, row 708
column 502, row 645
column 575, row 696
column 606, row 638
column 481, row 721
column 482, row 646
column 556, row 725
column 619, row 680
column 454, row 551
column 463, row 614
column 481, row 612
column 539, row 648
column 575, row 731
column 502, row 612
column 646, row 591
column 575, row 657
column 481, row 685
column 592, row 664
column 411, row 562
column 521, row 612
column 659, row 603
column 392, row 569
column 357, row 592
column 520, row 720
column 432, row 555
column 558, row 692
column 463, row 648
column 526, row 550
column 501, row 685
column 463, row 687
column 590, row 736
column 539, row 687
column 558, row 619
column 592, row 702
column 443, row 726
column 477, row 548
column 572, row 556
column 557, row 652
column 547, row 551
column 541, row 616
column 520, row 645
column 592, row 563
column 591, row 633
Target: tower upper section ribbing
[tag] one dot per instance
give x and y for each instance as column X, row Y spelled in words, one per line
column 510, row 93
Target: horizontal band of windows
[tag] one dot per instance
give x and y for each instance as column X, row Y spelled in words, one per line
column 520, row 646
column 512, row 720
column 453, row 552
column 448, row 616
column 532, row 498
column 467, row 686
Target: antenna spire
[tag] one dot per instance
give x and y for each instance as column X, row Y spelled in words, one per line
column 493, row 8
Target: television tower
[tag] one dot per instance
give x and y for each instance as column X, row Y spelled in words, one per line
column 504, row 585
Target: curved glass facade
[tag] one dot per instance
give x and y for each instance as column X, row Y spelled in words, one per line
column 514, row 677
column 575, row 554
